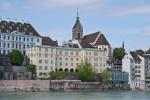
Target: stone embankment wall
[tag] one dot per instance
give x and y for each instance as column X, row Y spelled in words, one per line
column 55, row 85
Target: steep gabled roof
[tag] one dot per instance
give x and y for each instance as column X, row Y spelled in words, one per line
column 140, row 52
column 10, row 26
column 77, row 24
column 148, row 51
column 102, row 40
column 94, row 39
column 135, row 56
column 88, row 39
column 48, row 41
column 73, row 45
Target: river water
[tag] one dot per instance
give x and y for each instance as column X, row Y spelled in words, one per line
column 75, row 96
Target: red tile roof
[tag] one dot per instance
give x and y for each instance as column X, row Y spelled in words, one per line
column 10, row 26
column 94, row 39
column 49, row 41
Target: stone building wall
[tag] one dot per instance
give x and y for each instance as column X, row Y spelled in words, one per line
column 54, row 85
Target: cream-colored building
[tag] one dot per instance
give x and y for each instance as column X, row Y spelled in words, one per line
column 50, row 58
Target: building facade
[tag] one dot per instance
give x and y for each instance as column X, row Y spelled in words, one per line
column 50, row 58
column 17, row 35
column 137, row 65
column 120, row 78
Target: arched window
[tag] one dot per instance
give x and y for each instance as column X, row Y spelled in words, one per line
column 60, row 69
column 66, row 70
column 71, row 70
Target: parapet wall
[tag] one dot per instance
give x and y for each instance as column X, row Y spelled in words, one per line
column 52, row 85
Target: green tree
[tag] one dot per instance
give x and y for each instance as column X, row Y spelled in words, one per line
column 52, row 75
column 118, row 53
column 106, row 75
column 31, row 68
column 85, row 71
column 16, row 57
column 57, row 75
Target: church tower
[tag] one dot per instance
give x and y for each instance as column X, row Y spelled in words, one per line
column 77, row 30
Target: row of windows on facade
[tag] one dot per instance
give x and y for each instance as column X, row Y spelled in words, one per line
column 17, row 38
column 66, row 52
column 46, row 55
column 8, row 51
column 46, row 62
column 66, row 64
column 136, row 61
column 13, row 45
column 120, row 77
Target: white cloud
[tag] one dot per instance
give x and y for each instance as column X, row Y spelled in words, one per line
column 147, row 30
column 7, row 6
column 47, row 4
column 145, row 9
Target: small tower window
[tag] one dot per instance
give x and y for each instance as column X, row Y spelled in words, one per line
column 78, row 35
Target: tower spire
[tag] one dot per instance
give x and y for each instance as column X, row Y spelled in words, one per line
column 77, row 14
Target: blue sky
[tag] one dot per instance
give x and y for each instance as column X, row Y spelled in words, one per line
column 118, row 20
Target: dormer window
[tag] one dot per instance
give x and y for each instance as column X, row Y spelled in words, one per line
column 17, row 28
column 2, row 26
column 25, row 29
column 10, row 27
column 37, row 40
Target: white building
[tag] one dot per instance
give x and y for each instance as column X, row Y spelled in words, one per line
column 50, row 58
column 17, row 35
column 137, row 65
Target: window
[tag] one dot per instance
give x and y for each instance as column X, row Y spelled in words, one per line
column 39, row 54
column 7, row 45
column 12, row 45
column 46, row 61
column 71, row 53
column 46, row 67
column 4, row 45
column 4, row 37
column 71, row 64
column 16, row 46
column 46, row 54
column 24, row 46
column 0, row 44
column 24, row 39
column 13, row 38
column 19, row 38
column 46, row 49
column 60, row 63
column 66, row 53
column 40, row 67
column 7, row 37
column 77, row 53
column 51, row 62
column 16, row 38
column 78, row 35
column 66, row 58
column 77, row 59
column 27, row 39
column 40, row 61
column 31, row 39
column 37, row 40
column 19, row 46
column 72, row 59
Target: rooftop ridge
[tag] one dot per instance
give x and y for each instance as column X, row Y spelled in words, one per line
column 14, row 20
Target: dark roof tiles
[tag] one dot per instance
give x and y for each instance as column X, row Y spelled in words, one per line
column 49, row 41
column 10, row 26
column 135, row 56
column 94, row 39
